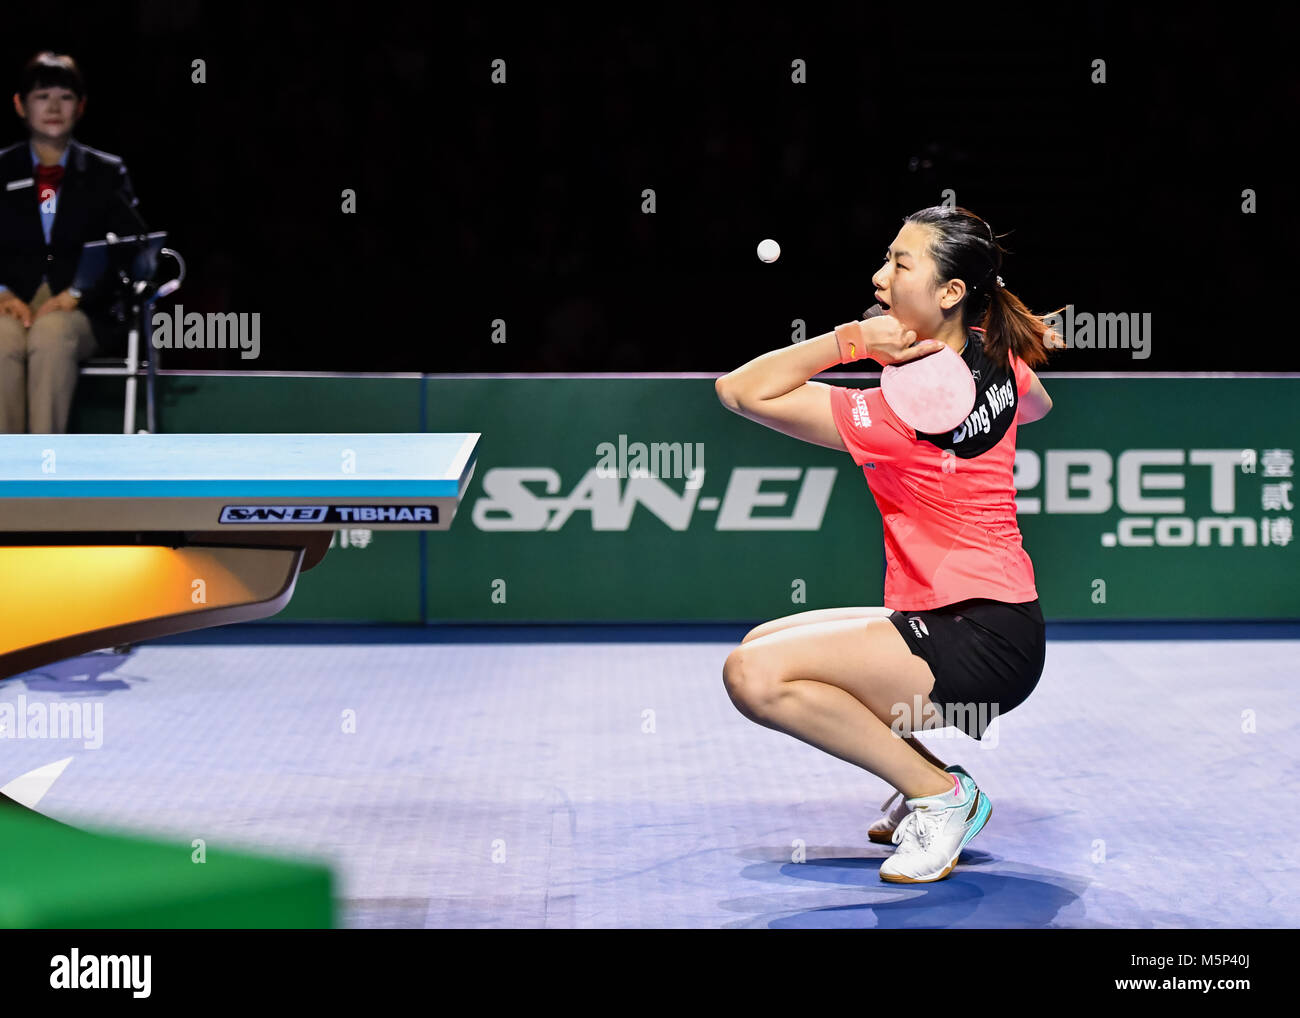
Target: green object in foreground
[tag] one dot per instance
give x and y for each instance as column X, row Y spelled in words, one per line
column 57, row 877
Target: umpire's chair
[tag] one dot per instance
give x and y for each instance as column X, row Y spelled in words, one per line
column 131, row 319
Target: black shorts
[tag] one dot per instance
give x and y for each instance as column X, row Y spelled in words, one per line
column 986, row 656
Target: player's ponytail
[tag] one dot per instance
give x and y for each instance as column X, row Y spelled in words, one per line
column 964, row 247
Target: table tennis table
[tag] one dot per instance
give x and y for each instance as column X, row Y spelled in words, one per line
column 113, row 539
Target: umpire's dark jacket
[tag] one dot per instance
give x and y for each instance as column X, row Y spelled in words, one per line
column 94, row 196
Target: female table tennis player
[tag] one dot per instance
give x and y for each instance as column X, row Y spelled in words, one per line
column 961, row 628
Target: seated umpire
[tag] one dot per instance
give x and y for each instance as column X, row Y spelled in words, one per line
column 57, row 194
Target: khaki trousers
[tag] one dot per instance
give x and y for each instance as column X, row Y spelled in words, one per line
column 38, row 367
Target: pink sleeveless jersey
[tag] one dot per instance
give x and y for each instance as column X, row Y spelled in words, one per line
column 947, row 501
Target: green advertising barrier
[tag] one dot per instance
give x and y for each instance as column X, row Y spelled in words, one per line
column 1139, row 498
column 772, row 525
column 1163, row 498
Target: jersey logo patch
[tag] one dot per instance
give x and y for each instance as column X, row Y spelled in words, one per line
column 861, row 416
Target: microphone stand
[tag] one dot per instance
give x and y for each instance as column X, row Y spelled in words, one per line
column 139, row 325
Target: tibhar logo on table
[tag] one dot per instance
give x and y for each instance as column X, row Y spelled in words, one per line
column 413, row 514
column 75, row 971
column 84, row 721
column 213, row 331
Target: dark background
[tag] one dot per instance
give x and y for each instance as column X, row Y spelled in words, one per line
column 522, row 202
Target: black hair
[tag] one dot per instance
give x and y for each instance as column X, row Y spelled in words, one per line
column 51, row 70
column 964, row 247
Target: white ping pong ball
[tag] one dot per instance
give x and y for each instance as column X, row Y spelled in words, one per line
column 769, row 250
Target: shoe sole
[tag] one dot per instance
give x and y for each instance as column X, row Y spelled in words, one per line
column 895, row 878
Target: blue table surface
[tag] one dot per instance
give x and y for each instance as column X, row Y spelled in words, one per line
column 320, row 465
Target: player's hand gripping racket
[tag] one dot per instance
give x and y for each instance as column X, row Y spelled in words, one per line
column 931, row 394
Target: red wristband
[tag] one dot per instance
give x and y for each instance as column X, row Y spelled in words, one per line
column 851, row 342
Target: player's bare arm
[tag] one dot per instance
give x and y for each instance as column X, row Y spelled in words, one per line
column 775, row 388
column 1034, row 404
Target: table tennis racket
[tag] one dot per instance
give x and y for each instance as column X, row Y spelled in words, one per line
column 931, row 394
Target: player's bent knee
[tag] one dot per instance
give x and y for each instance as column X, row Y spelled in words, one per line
column 731, row 673
column 752, row 686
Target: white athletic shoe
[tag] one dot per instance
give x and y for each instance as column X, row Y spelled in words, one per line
column 882, row 831
column 930, row 838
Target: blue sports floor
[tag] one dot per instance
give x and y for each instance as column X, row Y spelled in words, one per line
column 600, row 777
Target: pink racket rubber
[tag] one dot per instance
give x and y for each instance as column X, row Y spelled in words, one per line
column 931, row 394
